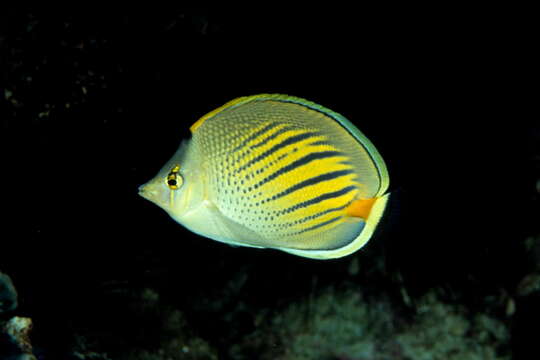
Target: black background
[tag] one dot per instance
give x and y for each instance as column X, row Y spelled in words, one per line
column 442, row 93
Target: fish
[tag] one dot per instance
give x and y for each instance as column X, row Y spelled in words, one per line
column 275, row 171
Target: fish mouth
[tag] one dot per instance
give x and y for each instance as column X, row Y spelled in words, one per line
column 143, row 192
column 148, row 192
column 157, row 195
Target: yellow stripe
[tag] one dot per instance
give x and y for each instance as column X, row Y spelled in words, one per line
column 269, row 167
column 268, row 145
column 300, row 233
column 321, row 220
column 304, row 172
column 319, row 207
column 298, row 175
column 265, row 162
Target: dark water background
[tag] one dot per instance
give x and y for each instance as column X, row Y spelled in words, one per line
column 95, row 101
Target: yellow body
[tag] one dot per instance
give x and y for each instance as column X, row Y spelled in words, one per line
column 275, row 171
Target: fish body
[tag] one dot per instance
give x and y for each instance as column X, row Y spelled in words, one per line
column 275, row 171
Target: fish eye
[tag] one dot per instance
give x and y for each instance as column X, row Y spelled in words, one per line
column 174, row 179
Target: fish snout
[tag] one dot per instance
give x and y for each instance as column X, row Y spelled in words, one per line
column 156, row 193
column 147, row 192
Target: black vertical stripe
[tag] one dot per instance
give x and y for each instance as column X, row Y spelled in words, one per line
column 320, row 198
column 312, row 181
column 273, row 136
column 336, row 117
column 299, row 162
column 288, row 141
column 319, row 225
column 319, row 214
column 256, row 134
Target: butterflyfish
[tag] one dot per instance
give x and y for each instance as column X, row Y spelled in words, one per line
column 275, row 171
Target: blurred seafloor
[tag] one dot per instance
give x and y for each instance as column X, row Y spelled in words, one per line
column 94, row 102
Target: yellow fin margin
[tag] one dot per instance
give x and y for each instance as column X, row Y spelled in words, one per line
column 212, row 113
column 244, row 99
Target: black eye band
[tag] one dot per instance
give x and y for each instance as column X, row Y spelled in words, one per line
column 174, row 179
